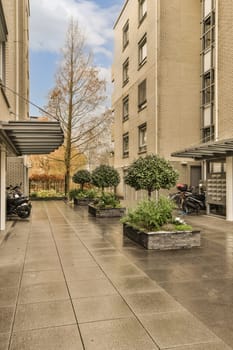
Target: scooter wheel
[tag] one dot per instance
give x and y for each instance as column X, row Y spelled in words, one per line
column 24, row 212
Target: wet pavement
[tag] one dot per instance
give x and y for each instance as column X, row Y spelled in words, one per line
column 70, row 281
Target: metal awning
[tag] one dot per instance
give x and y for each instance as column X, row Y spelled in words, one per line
column 217, row 149
column 31, row 137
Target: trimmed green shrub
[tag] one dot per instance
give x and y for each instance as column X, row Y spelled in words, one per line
column 105, row 176
column 82, row 177
column 151, row 173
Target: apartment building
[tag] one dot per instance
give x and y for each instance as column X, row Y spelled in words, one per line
column 156, row 77
column 187, row 113
column 18, row 135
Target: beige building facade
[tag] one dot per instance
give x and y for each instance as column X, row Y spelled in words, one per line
column 18, row 135
column 188, row 109
column 14, row 60
column 162, row 91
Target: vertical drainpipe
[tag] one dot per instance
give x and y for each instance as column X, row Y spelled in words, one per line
column 17, row 58
column 216, row 72
column 157, row 40
column 157, row 45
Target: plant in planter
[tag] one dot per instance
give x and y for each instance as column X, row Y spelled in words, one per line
column 152, row 215
column 107, row 204
column 151, row 224
column 82, row 196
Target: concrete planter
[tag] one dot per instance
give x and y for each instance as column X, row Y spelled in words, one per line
column 163, row 240
column 84, row 201
column 105, row 212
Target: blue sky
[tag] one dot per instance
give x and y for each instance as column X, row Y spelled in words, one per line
column 48, row 25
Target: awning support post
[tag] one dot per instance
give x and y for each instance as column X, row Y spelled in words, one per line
column 2, row 187
column 229, row 188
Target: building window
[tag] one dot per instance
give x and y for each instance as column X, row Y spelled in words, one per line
column 125, row 108
column 126, row 145
column 208, row 134
column 142, row 95
column 142, row 51
column 125, row 33
column 142, row 10
column 208, row 36
column 142, row 138
column 208, row 6
column 126, row 72
column 208, row 87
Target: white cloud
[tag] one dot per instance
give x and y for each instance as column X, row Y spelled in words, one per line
column 49, row 22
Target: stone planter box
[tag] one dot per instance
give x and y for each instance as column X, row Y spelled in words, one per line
column 84, row 201
column 106, row 212
column 163, row 240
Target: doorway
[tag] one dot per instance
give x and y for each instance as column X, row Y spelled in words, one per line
column 195, row 176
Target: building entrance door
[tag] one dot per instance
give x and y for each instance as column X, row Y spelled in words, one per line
column 195, row 176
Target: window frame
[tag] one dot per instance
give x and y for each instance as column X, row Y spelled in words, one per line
column 125, row 102
column 125, row 145
column 125, row 72
column 142, row 95
column 125, row 35
column 141, row 45
column 142, row 138
column 142, row 14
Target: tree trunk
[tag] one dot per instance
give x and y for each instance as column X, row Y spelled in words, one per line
column 149, row 194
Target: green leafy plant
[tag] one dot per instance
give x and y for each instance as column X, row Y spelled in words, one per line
column 151, row 173
column 105, row 176
column 107, row 200
column 83, row 194
column 150, row 215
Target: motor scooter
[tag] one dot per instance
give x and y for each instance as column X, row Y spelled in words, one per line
column 17, row 203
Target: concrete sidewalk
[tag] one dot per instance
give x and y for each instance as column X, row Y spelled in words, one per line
column 72, row 282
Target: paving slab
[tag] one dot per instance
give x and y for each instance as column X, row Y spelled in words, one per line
column 4, row 341
column 65, row 337
column 121, row 334
column 38, row 277
column 8, row 296
column 6, row 318
column 126, row 285
column 43, row 292
column 83, row 273
column 101, row 308
column 204, row 346
column 88, row 288
column 43, row 315
column 152, row 302
column 172, row 329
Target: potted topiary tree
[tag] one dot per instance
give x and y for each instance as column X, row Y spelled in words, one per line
column 151, row 223
column 107, row 204
column 82, row 196
column 82, row 177
column 151, row 173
